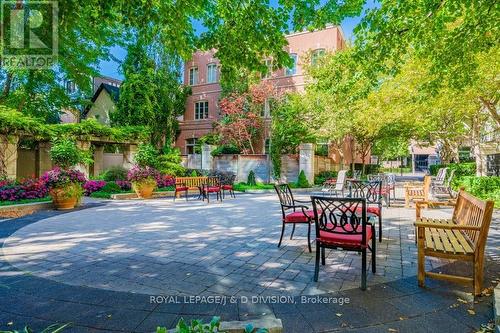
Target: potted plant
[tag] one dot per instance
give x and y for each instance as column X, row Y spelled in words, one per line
column 65, row 187
column 64, row 182
column 143, row 180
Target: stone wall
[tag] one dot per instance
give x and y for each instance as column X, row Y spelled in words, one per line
column 112, row 159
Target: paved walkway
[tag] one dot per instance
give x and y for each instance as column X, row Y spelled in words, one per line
column 99, row 266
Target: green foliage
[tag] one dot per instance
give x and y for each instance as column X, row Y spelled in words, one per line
column 169, row 163
column 194, row 174
column 323, row 176
column 251, row 178
column 487, row 188
column 294, row 121
column 114, row 173
column 146, row 156
column 302, row 181
column 225, row 149
column 250, row 329
column 243, row 187
column 321, row 150
column 461, row 169
column 14, row 123
column 196, row 326
column 151, row 94
column 111, row 187
column 65, row 154
column 54, row 328
column 25, row 201
column 101, row 195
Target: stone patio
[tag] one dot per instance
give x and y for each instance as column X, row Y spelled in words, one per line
column 109, row 258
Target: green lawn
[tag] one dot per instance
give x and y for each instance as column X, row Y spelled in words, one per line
column 25, row 201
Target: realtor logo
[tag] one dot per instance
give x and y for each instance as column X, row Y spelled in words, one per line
column 29, row 36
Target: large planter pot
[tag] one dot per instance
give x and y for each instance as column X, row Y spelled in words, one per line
column 61, row 199
column 144, row 190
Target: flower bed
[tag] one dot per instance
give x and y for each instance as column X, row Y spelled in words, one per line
column 25, row 189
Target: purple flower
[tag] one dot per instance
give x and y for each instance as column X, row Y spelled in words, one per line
column 92, row 186
column 138, row 174
column 124, row 184
column 58, row 177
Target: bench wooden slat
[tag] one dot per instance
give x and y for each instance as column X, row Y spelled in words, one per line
column 461, row 238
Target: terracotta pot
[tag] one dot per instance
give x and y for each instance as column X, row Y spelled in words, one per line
column 62, row 202
column 144, row 191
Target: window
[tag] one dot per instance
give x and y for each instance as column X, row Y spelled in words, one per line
column 211, row 73
column 316, row 55
column 201, row 110
column 267, row 146
column 292, row 70
column 70, row 87
column 193, row 76
column 269, row 65
column 191, row 145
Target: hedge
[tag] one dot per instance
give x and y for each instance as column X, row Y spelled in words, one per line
column 461, row 169
column 481, row 187
column 15, row 123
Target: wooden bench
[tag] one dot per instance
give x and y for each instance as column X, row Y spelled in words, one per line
column 185, row 184
column 417, row 191
column 463, row 237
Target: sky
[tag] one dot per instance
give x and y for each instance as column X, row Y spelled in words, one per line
column 111, row 68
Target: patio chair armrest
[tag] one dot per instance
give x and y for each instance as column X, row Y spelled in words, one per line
column 448, row 226
column 303, row 201
column 295, row 206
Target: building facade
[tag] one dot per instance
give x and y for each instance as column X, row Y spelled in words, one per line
column 202, row 74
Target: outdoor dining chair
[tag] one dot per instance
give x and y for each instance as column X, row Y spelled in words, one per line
column 294, row 212
column 228, row 185
column 211, row 186
column 371, row 191
column 342, row 223
column 334, row 188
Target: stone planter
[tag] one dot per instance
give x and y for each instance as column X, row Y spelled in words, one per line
column 61, row 199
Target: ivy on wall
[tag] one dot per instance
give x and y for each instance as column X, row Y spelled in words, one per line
column 15, row 123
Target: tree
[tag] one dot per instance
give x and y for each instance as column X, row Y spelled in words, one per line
column 151, row 93
column 242, row 32
column 450, row 36
column 241, row 124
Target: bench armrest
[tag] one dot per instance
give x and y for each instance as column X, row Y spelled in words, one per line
column 420, row 204
column 449, row 226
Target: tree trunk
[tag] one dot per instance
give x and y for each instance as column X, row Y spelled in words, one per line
column 492, row 109
column 476, row 148
column 7, row 85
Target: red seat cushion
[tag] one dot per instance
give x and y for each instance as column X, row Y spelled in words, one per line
column 181, row 188
column 373, row 210
column 213, row 189
column 299, row 217
column 345, row 238
column 227, row 187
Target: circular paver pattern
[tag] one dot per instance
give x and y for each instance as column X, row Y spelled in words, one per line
column 193, row 248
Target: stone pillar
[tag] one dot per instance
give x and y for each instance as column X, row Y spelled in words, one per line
column 206, row 157
column 306, row 161
column 44, row 163
column 129, row 152
column 8, row 155
column 98, row 160
column 85, row 146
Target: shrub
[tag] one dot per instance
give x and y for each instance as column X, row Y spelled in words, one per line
column 146, row 156
column 92, row 186
column 65, row 154
column 482, row 187
column 111, row 187
column 169, row 162
column 225, row 178
column 114, row 173
column 26, row 189
column 225, row 149
column 124, row 185
column 461, row 169
column 323, row 176
column 193, row 174
column 251, row 179
column 138, row 174
column 165, row 181
column 57, row 178
column 302, row 180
